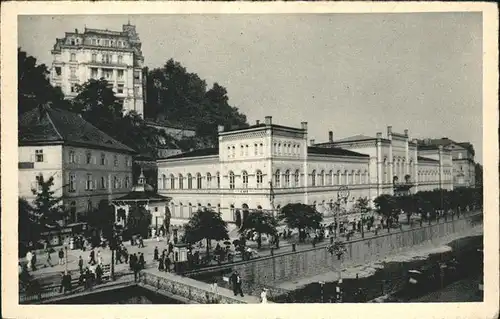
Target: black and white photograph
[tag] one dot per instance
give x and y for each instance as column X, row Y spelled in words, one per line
column 251, row 158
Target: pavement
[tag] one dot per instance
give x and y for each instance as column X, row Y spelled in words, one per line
column 50, row 273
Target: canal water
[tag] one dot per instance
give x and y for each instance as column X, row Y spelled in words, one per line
column 126, row 295
column 463, row 260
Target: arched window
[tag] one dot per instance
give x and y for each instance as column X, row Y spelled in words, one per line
column 198, row 180
column 115, row 182
column 181, row 210
column 287, row 178
column 190, row 181
column 366, row 177
column 127, row 182
column 259, row 178
column 172, row 181
column 232, row 211
column 164, row 181
column 313, row 178
column 353, row 177
column 296, row 179
column 218, row 179
column 245, row 179
column 277, row 179
column 231, row 180
column 322, row 178
column 261, row 146
column 190, row 211
column 338, row 178
column 346, row 177
column 329, row 180
column 181, row 181
column 209, row 180
column 72, row 211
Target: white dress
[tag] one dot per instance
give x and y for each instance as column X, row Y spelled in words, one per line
column 263, row 297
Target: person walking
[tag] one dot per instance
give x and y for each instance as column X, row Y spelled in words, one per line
column 61, row 256
column 155, row 256
column 29, row 258
column 49, row 257
column 263, row 296
column 161, row 265
column 167, row 263
column 80, row 264
column 142, row 262
column 92, row 257
column 235, row 279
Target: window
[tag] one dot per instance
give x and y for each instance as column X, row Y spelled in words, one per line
column 93, row 41
column 94, row 73
column 313, row 178
column 296, row 178
column 287, row 178
column 241, row 150
column 103, row 182
column 72, row 157
column 259, row 179
column 72, row 57
column 108, row 74
column 73, row 88
column 255, row 149
column 198, row 181
column 218, row 180
column 346, row 178
column 88, row 184
column 190, row 181
column 137, row 75
column 459, row 155
column 277, row 179
column 279, row 148
column 115, row 161
column 120, row 74
column 127, row 182
column 58, row 70
column 39, row 156
column 234, row 151
column 330, row 178
column 115, row 182
column 231, row 180
column 103, row 159
column 164, row 181
column 245, row 179
column 181, row 181
column 72, row 183
column 72, row 72
column 209, row 180
column 89, row 206
column 120, row 59
column 94, row 57
column 106, row 58
column 261, row 148
column 172, row 181
column 137, row 90
column 120, row 89
column 88, row 158
column 322, row 178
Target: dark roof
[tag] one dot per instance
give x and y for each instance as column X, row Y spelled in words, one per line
column 196, row 153
column 142, row 196
column 262, row 125
column 333, row 151
column 428, row 147
column 359, row 137
column 58, row 125
column 424, row 159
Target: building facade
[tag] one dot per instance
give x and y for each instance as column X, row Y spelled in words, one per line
column 87, row 165
column 267, row 166
column 115, row 56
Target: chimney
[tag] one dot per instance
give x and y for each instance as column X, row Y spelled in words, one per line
column 379, row 134
column 330, row 136
column 269, row 120
column 76, row 31
column 303, row 125
column 257, row 122
column 312, row 142
column 220, row 128
column 389, row 131
column 406, row 132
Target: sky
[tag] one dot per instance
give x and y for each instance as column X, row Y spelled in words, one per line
column 347, row 73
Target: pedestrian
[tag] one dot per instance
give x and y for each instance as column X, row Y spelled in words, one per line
column 263, row 296
column 64, row 282
column 167, row 264
column 235, row 279
column 161, row 265
column 92, row 257
column 142, row 262
column 170, row 247
column 155, row 257
column 49, row 257
column 136, row 270
column 33, row 263
column 29, row 258
column 118, row 256
column 98, row 272
column 80, row 264
column 60, row 254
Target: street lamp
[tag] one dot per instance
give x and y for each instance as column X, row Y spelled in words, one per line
column 322, row 287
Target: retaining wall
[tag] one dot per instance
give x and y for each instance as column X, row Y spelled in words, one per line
column 267, row 271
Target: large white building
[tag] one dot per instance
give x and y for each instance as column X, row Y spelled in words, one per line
column 87, row 165
column 113, row 55
column 268, row 166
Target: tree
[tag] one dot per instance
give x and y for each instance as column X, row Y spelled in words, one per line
column 300, row 216
column 385, row 205
column 34, row 88
column 166, row 220
column 28, row 228
column 260, row 222
column 139, row 220
column 48, row 208
column 478, row 169
column 362, row 207
column 205, row 224
column 102, row 219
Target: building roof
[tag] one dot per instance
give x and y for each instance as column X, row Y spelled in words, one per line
column 333, row 151
column 359, row 137
column 61, row 126
column 426, row 159
column 142, row 196
column 196, row 153
column 263, row 125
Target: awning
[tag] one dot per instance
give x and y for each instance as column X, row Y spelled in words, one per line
column 142, row 196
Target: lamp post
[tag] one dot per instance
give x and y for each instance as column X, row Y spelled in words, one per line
column 66, row 257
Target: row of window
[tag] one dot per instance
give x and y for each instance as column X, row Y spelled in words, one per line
column 258, row 149
column 102, row 183
column 286, row 179
column 103, row 42
column 74, row 158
